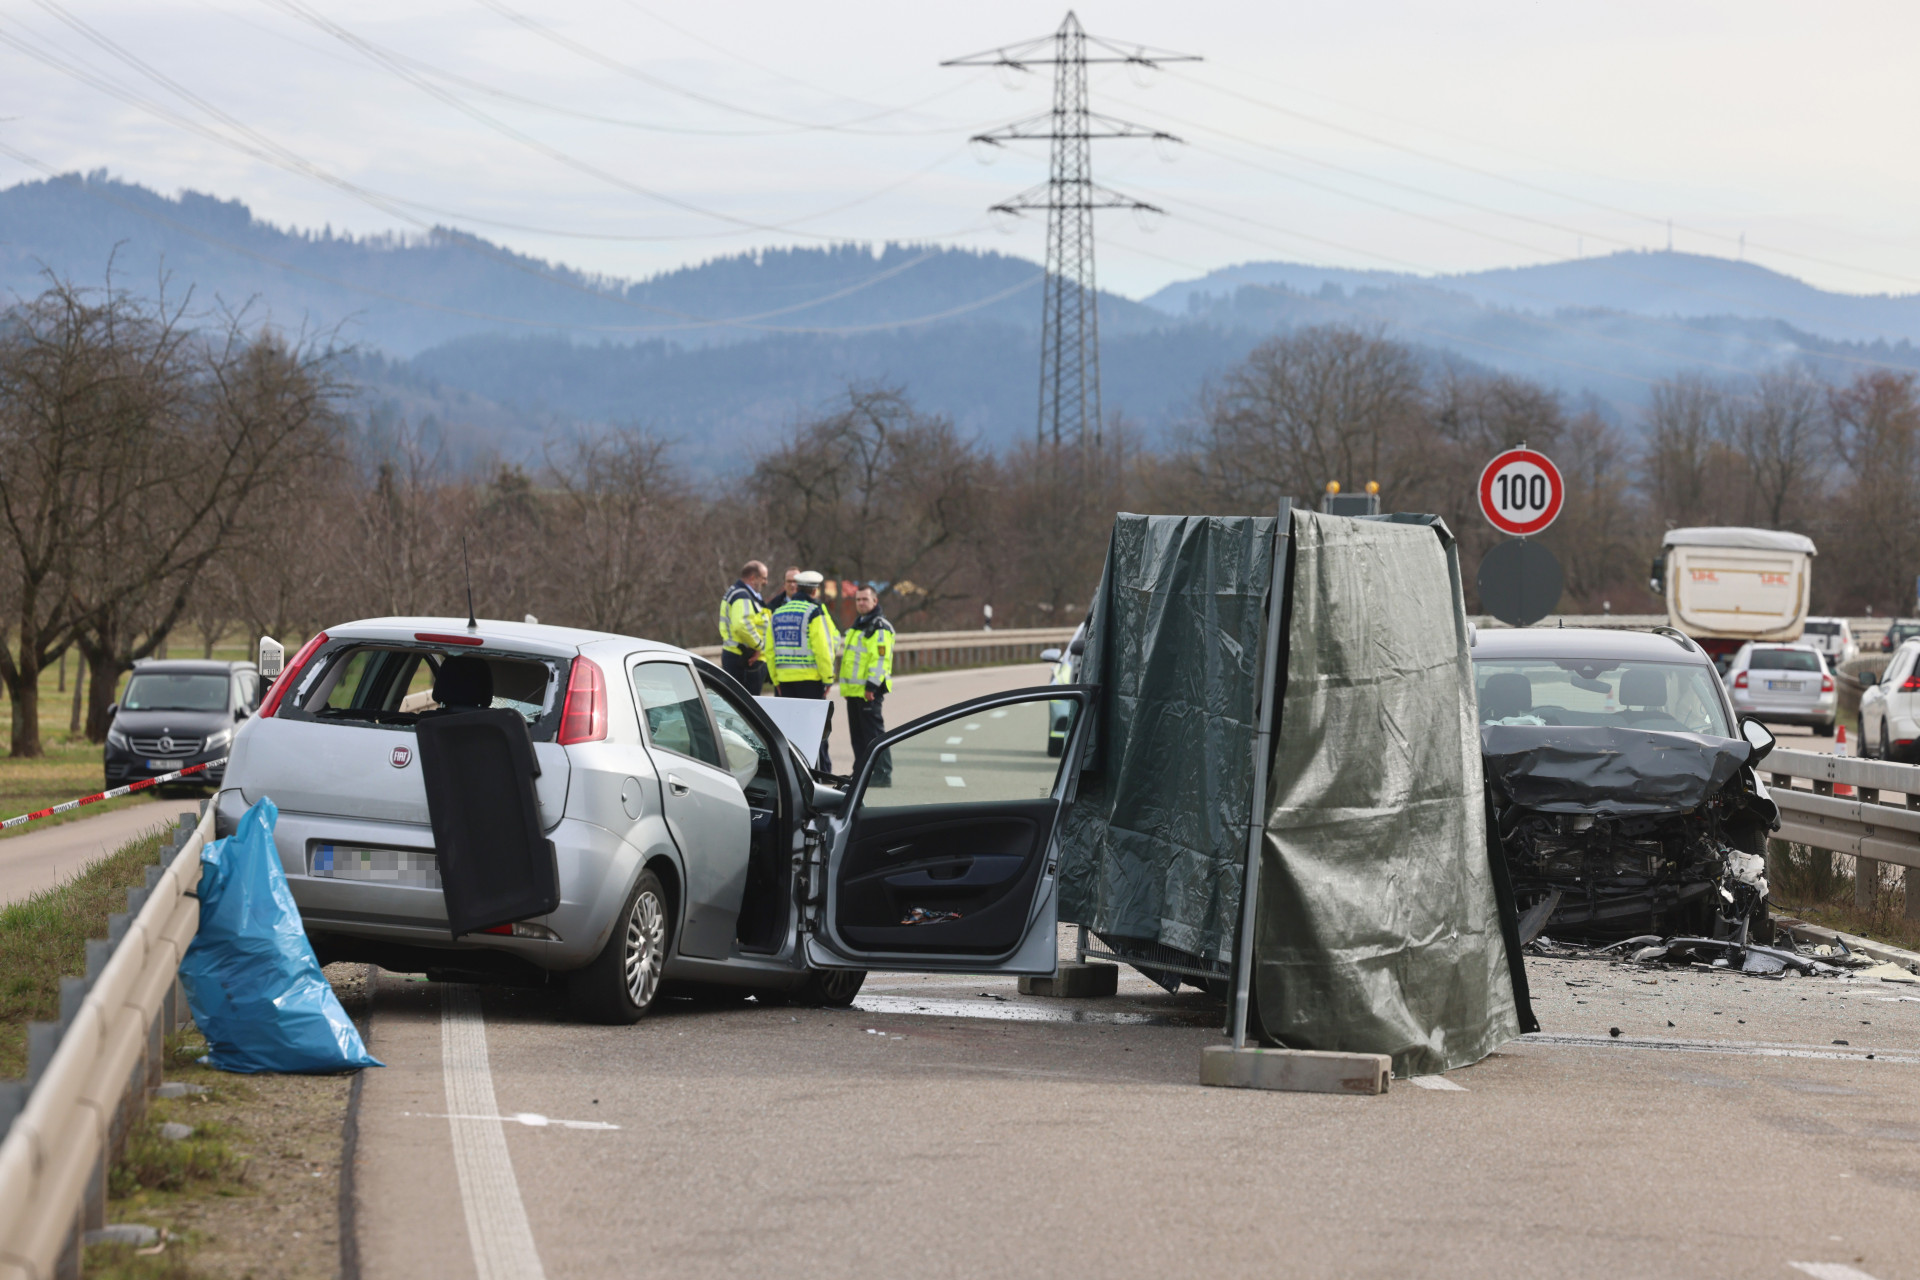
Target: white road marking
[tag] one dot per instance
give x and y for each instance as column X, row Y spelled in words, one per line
column 1736, row 1048
column 954, row 742
column 956, row 782
column 1830, row 1271
column 974, row 725
column 531, row 1119
column 1001, row 714
column 1440, row 1084
column 947, row 757
column 497, row 1228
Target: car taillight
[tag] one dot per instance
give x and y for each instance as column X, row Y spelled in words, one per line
column 290, row 675
column 1826, row 684
column 1740, row 680
column 1911, row 684
column 583, row 717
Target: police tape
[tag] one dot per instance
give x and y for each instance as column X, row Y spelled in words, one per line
column 114, row 794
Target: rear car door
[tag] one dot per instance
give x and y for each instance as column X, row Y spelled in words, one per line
column 944, row 858
column 706, row 808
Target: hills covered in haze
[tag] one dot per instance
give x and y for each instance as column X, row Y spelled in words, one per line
column 491, row 351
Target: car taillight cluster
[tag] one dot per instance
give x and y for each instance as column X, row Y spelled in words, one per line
column 583, row 717
column 1826, row 684
column 290, row 674
column 1740, row 680
column 1911, row 684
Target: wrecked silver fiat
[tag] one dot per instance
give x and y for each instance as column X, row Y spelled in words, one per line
column 1620, row 786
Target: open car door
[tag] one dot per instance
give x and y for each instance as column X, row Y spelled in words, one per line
column 943, row 859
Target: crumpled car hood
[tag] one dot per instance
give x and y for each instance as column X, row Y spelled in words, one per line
column 1586, row 769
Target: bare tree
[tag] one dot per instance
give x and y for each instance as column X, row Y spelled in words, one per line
column 876, row 491
column 1779, row 431
column 1873, row 544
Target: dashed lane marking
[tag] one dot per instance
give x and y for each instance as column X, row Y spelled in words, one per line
column 497, row 1228
column 1001, row 714
column 947, row 757
column 1439, row 1084
column 532, row 1119
column 974, row 725
column 956, row 782
column 1735, row 1048
column 1830, row 1271
column 955, row 741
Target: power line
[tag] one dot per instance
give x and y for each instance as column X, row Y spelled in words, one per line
column 1070, row 306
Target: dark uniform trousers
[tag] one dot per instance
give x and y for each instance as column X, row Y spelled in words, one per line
column 866, row 723
column 735, row 665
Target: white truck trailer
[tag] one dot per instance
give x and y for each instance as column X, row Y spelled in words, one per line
column 1726, row 586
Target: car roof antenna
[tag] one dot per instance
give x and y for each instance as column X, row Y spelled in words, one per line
column 472, row 623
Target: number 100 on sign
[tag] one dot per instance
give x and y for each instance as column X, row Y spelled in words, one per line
column 1521, row 492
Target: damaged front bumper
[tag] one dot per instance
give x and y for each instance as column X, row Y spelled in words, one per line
column 1611, row 833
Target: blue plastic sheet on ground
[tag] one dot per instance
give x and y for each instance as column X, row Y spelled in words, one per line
column 252, row 981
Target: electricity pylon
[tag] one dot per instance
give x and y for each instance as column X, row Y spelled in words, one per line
column 1069, row 308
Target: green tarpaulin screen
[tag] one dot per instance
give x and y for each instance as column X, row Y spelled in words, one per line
column 1378, row 928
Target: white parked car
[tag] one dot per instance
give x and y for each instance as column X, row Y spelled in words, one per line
column 1783, row 683
column 663, row 828
column 1890, row 707
column 1833, row 637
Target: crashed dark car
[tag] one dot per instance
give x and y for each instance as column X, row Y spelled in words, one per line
column 1620, row 786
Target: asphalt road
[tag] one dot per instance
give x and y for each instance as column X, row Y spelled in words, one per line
column 954, row 1128
column 41, row 859
column 951, row 1127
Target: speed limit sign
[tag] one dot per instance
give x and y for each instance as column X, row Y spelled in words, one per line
column 1521, row 492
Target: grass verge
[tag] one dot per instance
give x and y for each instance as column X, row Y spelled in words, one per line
column 66, row 772
column 1817, row 886
column 44, row 939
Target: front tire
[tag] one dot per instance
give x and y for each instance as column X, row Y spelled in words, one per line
column 622, row 984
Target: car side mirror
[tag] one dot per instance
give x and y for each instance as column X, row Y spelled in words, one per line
column 113, row 709
column 828, row 799
column 1049, row 655
column 1759, row 737
column 1077, row 646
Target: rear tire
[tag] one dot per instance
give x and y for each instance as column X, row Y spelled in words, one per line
column 622, row 984
column 1886, row 744
column 830, row 988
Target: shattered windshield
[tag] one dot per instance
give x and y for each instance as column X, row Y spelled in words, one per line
column 1603, row 692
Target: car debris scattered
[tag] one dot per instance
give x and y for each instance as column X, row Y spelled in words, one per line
column 1728, row 955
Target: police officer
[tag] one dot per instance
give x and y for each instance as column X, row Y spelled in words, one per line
column 866, row 675
column 787, row 581
column 803, row 650
column 744, row 636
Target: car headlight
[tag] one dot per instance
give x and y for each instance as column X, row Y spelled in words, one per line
column 217, row 740
column 118, row 740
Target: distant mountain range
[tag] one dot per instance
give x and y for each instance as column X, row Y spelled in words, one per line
column 490, row 351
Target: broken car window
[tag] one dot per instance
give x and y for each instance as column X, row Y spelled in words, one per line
column 1601, row 692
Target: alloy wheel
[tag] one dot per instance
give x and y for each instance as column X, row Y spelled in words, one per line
column 646, row 939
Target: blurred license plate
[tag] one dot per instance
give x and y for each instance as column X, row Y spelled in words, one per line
column 387, row 866
column 1786, row 686
column 165, row 766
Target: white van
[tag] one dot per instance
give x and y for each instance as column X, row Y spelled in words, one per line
column 1832, row 637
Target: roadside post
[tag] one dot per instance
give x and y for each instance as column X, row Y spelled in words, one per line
column 1521, row 493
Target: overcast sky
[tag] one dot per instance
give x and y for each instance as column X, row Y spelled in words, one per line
column 632, row 136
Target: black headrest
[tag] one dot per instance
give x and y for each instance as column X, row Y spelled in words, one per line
column 1642, row 687
column 1508, row 693
column 464, row 681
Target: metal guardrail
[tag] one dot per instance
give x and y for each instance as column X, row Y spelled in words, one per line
column 931, row 650
column 1863, row 825
column 106, row 1052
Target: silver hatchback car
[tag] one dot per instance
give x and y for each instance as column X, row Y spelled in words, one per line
column 690, row 842
column 1784, row 683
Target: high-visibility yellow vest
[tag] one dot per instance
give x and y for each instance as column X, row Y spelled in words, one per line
column 802, row 643
column 743, row 620
column 867, row 662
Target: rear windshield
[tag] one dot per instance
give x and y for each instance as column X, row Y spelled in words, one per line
column 391, row 685
column 1677, row 697
column 1823, row 628
column 1784, row 660
column 175, row 691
